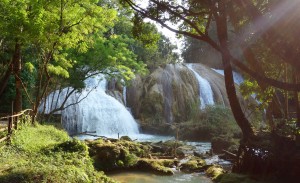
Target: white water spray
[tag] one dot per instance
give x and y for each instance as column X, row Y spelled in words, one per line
column 206, row 93
column 97, row 112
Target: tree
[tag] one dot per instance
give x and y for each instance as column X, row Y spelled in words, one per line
column 45, row 36
column 198, row 16
column 150, row 46
column 266, row 50
column 196, row 22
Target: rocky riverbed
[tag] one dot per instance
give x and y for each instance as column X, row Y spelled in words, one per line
column 167, row 158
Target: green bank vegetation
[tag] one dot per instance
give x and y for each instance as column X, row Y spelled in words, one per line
column 43, row 153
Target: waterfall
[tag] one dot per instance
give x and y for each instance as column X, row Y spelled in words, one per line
column 237, row 77
column 206, row 94
column 97, row 112
column 124, row 96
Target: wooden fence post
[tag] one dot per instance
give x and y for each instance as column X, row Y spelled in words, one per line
column 9, row 127
column 16, row 122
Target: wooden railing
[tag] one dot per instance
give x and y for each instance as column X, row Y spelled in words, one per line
column 12, row 122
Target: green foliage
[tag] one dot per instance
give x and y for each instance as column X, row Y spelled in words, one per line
column 111, row 56
column 145, row 32
column 214, row 121
column 65, row 42
column 45, row 154
column 248, row 88
column 215, row 124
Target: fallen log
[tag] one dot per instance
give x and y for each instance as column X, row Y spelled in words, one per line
column 229, row 154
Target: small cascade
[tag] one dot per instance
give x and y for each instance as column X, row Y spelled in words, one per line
column 97, row 111
column 206, row 93
column 124, row 95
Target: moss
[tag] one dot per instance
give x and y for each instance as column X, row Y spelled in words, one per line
column 194, row 164
column 108, row 156
column 126, row 138
column 156, row 166
column 169, row 162
column 215, row 172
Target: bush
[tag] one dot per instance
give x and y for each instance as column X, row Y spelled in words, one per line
column 214, row 123
column 211, row 122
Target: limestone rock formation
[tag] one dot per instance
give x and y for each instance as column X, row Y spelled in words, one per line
column 169, row 94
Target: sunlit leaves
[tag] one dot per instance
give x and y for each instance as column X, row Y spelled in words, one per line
column 57, row 70
column 252, row 89
column 29, row 66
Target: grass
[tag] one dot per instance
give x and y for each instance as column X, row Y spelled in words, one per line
column 45, row 154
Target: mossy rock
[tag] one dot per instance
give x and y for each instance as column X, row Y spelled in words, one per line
column 194, row 164
column 155, row 165
column 215, row 172
column 138, row 149
column 126, row 138
column 117, row 155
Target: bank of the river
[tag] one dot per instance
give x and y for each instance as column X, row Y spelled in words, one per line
column 45, row 154
column 145, row 177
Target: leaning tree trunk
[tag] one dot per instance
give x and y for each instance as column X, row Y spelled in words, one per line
column 242, row 121
column 17, row 74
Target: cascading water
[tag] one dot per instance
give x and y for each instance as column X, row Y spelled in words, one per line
column 124, row 95
column 97, row 112
column 237, row 77
column 206, row 93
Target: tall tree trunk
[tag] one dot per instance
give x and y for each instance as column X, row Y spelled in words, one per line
column 5, row 79
column 17, row 74
column 242, row 121
column 286, row 95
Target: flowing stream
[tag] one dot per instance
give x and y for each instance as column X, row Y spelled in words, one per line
column 102, row 115
column 206, row 94
column 178, row 177
column 143, row 177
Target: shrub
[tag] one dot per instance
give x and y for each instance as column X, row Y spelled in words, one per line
column 211, row 122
